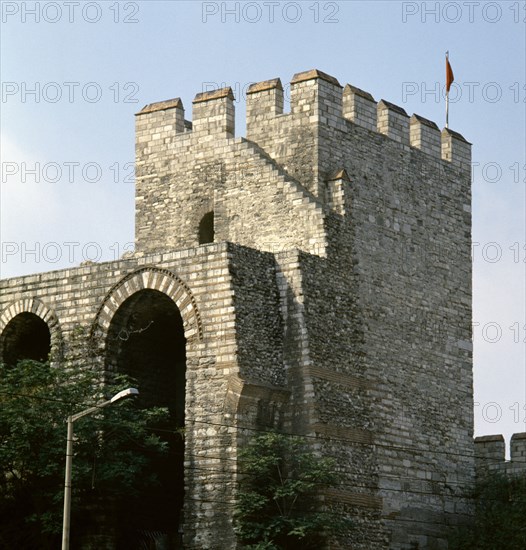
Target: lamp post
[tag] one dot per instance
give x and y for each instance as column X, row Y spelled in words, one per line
column 69, row 457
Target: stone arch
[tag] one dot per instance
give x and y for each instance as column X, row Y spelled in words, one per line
column 153, row 278
column 143, row 328
column 30, row 311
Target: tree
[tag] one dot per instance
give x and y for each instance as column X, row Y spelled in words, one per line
column 277, row 505
column 112, row 451
column 500, row 512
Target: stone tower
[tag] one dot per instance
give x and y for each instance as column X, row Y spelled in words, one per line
column 314, row 277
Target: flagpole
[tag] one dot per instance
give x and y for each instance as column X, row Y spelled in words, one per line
column 447, row 95
column 447, row 109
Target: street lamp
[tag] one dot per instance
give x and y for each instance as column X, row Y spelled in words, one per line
column 69, row 457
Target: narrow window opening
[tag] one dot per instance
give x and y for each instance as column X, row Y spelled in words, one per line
column 206, row 229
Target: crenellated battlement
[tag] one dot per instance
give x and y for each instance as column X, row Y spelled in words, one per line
column 393, row 122
column 316, row 100
column 158, row 123
column 490, row 452
column 359, row 107
column 266, row 103
column 425, row 135
column 214, row 113
column 331, row 137
column 320, row 98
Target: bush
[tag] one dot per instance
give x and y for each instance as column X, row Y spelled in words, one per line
column 499, row 522
column 277, row 505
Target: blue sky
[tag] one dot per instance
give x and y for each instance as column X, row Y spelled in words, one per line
column 73, row 75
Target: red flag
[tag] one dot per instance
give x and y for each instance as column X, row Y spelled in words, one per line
column 450, row 77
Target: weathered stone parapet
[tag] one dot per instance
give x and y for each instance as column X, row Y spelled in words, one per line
column 518, row 448
column 489, row 451
column 214, row 113
column 157, row 124
column 359, row 107
column 456, row 150
column 425, row 135
column 393, row 122
column 264, row 102
column 490, row 454
column 318, row 96
column 166, row 105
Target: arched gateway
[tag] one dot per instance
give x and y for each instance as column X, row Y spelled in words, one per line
column 147, row 319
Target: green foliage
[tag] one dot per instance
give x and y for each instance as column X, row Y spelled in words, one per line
column 500, row 514
column 277, row 505
column 112, row 449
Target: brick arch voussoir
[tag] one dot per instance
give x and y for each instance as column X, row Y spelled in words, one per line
column 38, row 308
column 152, row 278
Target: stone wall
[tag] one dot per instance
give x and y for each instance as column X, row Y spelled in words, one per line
column 388, row 312
column 201, row 283
column 490, row 455
column 336, row 304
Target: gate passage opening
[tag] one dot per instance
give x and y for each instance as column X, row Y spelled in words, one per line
column 146, row 341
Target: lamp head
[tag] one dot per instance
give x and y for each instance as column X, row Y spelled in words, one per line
column 124, row 393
